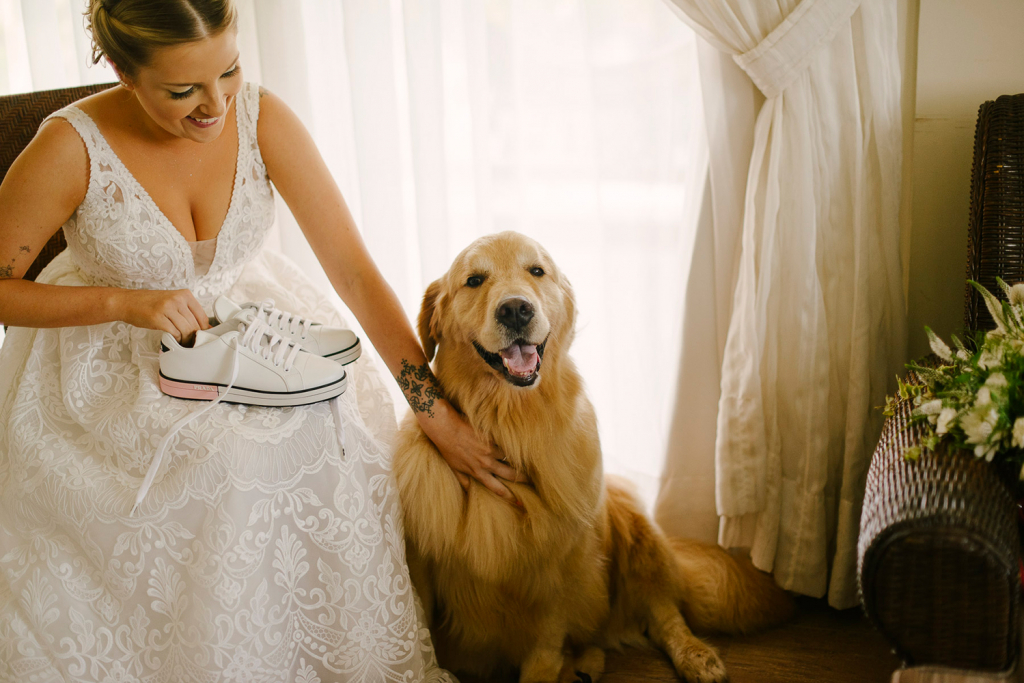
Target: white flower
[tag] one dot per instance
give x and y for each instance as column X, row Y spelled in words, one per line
column 986, row 451
column 945, row 417
column 1018, row 433
column 991, row 358
column 995, row 309
column 984, row 397
column 1016, row 294
column 997, row 380
column 939, row 347
column 931, row 409
column 978, row 424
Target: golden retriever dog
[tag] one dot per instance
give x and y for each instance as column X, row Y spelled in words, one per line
column 548, row 587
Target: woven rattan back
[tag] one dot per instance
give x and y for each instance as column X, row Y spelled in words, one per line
column 995, row 239
column 20, row 116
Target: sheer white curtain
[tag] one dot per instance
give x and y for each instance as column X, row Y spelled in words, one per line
column 810, row 273
column 578, row 122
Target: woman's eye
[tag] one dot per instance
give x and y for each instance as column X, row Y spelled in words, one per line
column 233, row 72
column 183, row 94
column 536, row 271
column 475, row 281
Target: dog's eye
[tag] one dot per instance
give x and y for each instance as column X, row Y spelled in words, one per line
column 536, row 271
column 475, row 281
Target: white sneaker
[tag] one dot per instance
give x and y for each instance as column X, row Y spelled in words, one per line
column 250, row 364
column 335, row 343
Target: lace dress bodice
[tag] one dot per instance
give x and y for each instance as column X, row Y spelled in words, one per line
column 119, row 237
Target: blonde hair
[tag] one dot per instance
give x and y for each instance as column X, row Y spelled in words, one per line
column 127, row 32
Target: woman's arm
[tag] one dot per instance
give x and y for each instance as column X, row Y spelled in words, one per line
column 305, row 183
column 43, row 187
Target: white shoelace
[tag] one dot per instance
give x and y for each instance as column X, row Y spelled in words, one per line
column 282, row 320
column 251, row 336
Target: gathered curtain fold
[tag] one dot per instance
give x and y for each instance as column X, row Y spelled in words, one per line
column 813, row 277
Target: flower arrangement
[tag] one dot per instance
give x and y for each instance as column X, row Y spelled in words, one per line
column 974, row 398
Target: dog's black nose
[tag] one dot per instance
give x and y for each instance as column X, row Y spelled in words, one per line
column 514, row 312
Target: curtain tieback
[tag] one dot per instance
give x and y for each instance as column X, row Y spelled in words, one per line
column 785, row 52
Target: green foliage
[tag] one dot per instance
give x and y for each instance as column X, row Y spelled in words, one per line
column 974, row 399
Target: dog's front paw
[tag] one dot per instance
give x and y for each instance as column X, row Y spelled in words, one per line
column 701, row 664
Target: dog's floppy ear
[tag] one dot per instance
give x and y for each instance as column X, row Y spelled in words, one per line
column 569, row 301
column 427, row 323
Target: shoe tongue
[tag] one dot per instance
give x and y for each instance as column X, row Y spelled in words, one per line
column 224, row 308
column 521, row 358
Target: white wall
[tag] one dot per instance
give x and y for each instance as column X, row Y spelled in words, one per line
column 969, row 51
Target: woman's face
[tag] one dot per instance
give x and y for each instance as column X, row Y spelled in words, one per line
column 187, row 89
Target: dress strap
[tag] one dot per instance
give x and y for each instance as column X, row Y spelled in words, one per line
column 86, row 129
column 248, row 102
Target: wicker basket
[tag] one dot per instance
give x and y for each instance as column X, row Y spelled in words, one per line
column 995, row 240
column 20, row 116
column 938, row 554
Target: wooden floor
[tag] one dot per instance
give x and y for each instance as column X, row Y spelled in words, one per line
column 820, row 646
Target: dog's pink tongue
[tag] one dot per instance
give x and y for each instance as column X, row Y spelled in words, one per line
column 520, row 358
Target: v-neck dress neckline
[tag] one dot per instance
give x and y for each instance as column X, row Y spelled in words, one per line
column 140, row 190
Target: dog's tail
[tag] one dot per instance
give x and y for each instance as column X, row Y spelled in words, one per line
column 726, row 594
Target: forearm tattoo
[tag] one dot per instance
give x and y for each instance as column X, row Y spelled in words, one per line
column 419, row 386
column 8, row 270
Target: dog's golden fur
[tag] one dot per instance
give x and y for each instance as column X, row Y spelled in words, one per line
column 546, row 588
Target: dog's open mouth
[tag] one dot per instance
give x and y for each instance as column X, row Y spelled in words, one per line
column 519, row 362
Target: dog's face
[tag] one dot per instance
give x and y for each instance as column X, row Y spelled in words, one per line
column 505, row 298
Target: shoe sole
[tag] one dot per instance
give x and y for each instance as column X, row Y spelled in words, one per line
column 349, row 355
column 278, row 399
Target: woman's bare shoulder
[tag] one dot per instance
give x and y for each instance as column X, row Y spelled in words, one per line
column 274, row 113
column 281, row 135
column 55, row 162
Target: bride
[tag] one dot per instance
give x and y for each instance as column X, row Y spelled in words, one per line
column 269, row 547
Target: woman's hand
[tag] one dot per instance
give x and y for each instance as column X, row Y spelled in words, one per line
column 467, row 454
column 175, row 311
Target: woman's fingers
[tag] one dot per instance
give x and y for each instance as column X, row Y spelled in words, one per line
column 202, row 319
column 463, row 480
column 503, row 470
column 164, row 324
column 496, row 487
column 185, row 328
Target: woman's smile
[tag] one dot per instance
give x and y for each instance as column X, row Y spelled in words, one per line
column 203, row 122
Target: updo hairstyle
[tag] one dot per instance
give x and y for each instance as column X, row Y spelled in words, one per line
column 127, row 32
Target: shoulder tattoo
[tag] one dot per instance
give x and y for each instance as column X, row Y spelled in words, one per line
column 419, row 386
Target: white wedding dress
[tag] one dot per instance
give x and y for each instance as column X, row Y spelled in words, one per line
column 270, row 546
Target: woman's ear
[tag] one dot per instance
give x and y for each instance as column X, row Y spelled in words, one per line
column 123, row 79
column 429, row 318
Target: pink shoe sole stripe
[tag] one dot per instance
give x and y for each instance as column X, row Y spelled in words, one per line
column 201, row 392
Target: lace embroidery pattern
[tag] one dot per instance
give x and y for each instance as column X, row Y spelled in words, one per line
column 264, row 552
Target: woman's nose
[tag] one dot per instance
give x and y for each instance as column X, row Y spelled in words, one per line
column 216, row 103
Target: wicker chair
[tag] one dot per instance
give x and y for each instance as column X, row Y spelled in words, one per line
column 939, row 550
column 20, row 116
